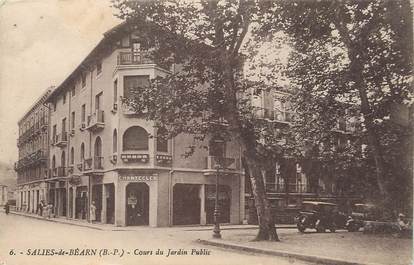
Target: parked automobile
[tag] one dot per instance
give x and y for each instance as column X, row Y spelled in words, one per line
column 320, row 216
column 360, row 213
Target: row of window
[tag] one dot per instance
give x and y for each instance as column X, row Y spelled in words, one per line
column 39, row 117
column 82, row 82
column 135, row 138
column 40, row 142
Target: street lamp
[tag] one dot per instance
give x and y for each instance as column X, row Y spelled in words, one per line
column 216, row 230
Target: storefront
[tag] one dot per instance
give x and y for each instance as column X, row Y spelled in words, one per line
column 155, row 198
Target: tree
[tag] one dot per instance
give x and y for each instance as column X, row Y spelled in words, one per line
column 351, row 56
column 208, row 95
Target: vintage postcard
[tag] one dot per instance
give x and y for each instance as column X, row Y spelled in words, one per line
column 206, row 132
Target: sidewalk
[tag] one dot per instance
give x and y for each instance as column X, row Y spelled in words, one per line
column 111, row 227
column 341, row 247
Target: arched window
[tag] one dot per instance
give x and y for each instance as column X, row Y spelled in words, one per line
column 162, row 141
column 63, row 159
column 82, row 152
column 72, row 156
column 115, row 142
column 53, row 162
column 98, row 147
column 135, row 138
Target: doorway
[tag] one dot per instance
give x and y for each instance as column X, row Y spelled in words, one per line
column 97, row 198
column 137, row 204
column 224, row 203
column 186, row 204
column 110, row 203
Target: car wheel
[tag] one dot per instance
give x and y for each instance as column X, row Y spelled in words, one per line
column 353, row 228
column 319, row 227
column 301, row 228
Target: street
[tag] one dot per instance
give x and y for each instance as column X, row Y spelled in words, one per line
column 32, row 241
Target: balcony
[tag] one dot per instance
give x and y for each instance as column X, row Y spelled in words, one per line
column 277, row 115
column 95, row 164
column 135, row 158
column 33, row 159
column 224, row 163
column 43, row 123
column 87, row 164
column 96, row 121
column 164, row 160
column 61, row 140
column 291, row 188
column 61, row 171
column 80, row 166
column 134, row 58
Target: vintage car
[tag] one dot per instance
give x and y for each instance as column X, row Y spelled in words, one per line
column 320, row 216
column 360, row 213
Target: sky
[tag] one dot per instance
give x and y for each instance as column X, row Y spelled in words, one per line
column 41, row 43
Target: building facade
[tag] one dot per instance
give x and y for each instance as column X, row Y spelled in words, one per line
column 287, row 182
column 32, row 166
column 106, row 163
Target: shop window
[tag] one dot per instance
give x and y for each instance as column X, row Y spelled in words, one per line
column 135, row 138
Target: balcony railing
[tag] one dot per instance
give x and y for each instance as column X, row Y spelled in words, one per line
column 135, row 158
column 87, row 164
column 163, row 160
column 96, row 121
column 61, row 171
column 93, row 163
column 61, row 139
column 224, row 163
column 35, row 158
column 291, row 188
column 277, row 115
column 98, row 162
column 134, row 58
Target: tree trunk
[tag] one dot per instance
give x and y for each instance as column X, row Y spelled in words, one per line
column 267, row 229
column 355, row 53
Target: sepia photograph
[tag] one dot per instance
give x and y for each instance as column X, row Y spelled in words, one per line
column 211, row 132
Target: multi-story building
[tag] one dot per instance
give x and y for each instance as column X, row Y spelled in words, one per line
column 289, row 184
column 106, row 155
column 32, row 166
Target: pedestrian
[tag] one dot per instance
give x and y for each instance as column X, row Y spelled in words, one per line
column 93, row 212
column 40, row 208
column 49, row 210
column 403, row 222
column 7, row 208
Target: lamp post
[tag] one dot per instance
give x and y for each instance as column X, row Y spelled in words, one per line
column 216, row 230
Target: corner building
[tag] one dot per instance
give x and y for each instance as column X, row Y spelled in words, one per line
column 102, row 153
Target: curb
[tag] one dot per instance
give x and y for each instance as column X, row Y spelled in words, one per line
column 56, row 221
column 280, row 253
column 238, row 228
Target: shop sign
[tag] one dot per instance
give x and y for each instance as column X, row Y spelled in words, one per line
column 138, row 178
